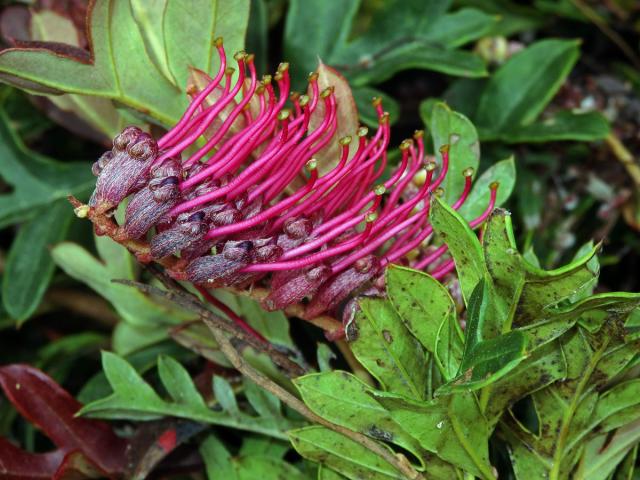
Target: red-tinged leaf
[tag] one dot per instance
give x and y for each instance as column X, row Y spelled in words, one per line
column 348, row 123
column 75, row 466
column 14, row 23
column 44, row 403
column 16, row 464
column 155, row 441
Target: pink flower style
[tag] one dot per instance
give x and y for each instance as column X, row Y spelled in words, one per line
column 222, row 191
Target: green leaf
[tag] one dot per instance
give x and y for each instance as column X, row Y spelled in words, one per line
column 422, row 303
column 29, row 266
column 504, row 262
column 376, row 52
column 134, row 399
column 37, row 181
column 264, row 403
column 178, row 382
column 324, row 25
column 134, row 48
column 454, row 129
column 461, row 27
column 420, row 55
column 543, row 367
column 342, row 398
column 132, row 305
column 368, row 114
column 618, row 406
column 564, row 125
column 220, row 464
column 503, row 172
column 463, row 245
column 484, row 361
column 341, row 454
column 521, row 88
column 544, row 289
column 603, row 454
column 452, row 427
column 273, row 325
column 387, row 349
column 258, row 34
column 449, row 347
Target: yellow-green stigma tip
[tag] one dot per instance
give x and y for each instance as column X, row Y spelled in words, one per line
column 327, row 91
column 284, row 114
column 82, row 211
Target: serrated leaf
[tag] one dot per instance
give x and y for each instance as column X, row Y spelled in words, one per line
column 342, row 398
column 452, row 427
column 463, row 245
column 454, row 129
column 134, row 399
column 178, row 382
column 421, row 302
column 543, row 289
column 603, row 454
column 543, row 367
column 341, row 454
column 484, row 360
column 503, row 172
column 387, row 349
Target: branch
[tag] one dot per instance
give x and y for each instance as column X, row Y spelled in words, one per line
column 105, row 225
column 399, row 461
column 189, row 302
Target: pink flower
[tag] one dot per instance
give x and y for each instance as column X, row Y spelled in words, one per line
column 223, row 191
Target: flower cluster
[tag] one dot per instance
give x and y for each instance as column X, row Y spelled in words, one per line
column 235, row 192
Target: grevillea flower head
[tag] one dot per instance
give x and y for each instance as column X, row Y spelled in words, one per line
column 236, row 194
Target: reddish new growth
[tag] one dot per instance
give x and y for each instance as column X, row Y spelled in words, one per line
column 217, row 191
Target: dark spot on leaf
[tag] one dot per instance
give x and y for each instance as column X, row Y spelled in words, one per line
column 387, row 336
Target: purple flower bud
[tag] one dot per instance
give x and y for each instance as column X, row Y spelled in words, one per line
column 132, row 155
column 292, row 287
column 342, row 285
column 218, row 269
column 187, row 230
